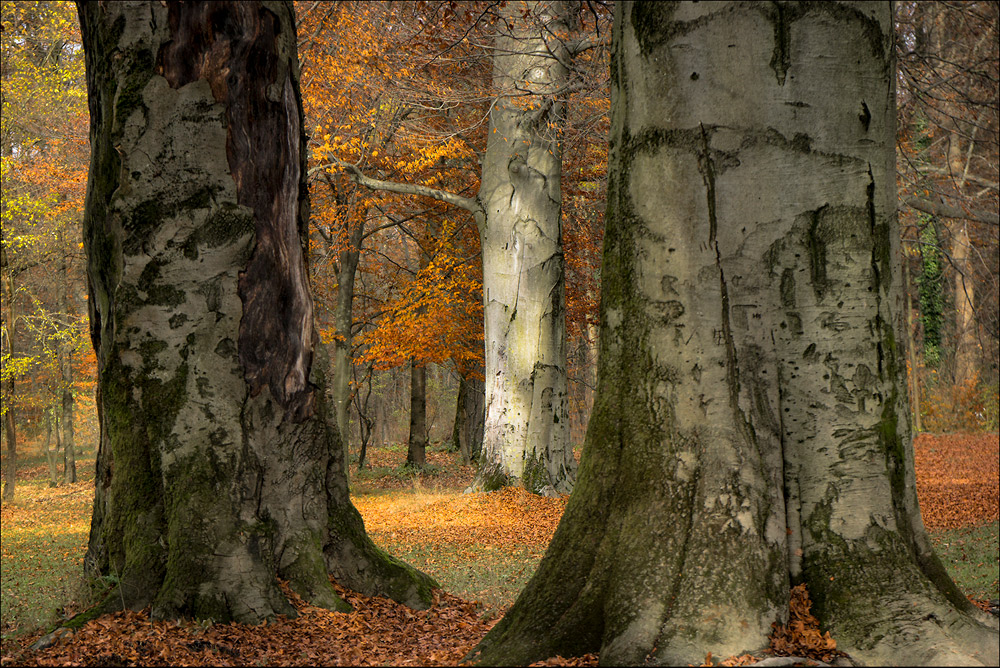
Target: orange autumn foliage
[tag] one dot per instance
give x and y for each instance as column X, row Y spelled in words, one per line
column 439, row 317
column 367, row 79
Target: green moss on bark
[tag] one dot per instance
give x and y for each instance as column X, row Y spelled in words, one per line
column 356, row 562
column 492, row 477
column 307, row 574
column 846, row 584
column 132, row 81
column 134, row 530
column 535, row 476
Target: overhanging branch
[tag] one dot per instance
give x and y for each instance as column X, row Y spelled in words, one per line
column 356, row 175
column 948, row 211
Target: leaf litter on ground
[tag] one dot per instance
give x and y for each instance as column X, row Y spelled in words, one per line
column 957, row 482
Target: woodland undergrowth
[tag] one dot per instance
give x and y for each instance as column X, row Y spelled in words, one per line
column 482, row 548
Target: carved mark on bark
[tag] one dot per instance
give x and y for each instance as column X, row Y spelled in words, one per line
column 780, row 58
column 817, row 252
column 242, row 54
column 866, row 119
column 681, row 568
column 790, row 476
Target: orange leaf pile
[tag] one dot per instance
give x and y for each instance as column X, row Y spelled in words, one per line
column 958, row 479
column 801, row 636
column 585, row 660
column 377, row 632
column 511, row 516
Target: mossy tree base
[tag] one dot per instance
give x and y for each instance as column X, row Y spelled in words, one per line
column 749, row 429
column 219, row 469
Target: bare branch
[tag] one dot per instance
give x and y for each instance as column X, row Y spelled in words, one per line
column 355, row 174
column 948, row 211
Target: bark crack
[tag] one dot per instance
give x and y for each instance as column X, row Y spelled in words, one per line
column 708, row 174
column 793, row 503
column 876, row 272
column 732, row 368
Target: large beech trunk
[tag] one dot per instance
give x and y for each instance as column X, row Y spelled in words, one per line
column 750, row 428
column 526, row 433
column 219, row 468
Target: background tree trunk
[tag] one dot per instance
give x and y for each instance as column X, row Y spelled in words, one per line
column 343, row 356
column 467, row 434
column 66, row 375
column 518, row 213
column 10, row 471
column 416, row 451
column 526, row 433
column 50, row 452
column 750, row 425
column 913, row 371
column 219, row 468
column 967, row 352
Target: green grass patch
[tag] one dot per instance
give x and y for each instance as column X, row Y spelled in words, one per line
column 41, row 562
column 37, row 586
column 490, row 576
column 374, row 479
column 972, row 557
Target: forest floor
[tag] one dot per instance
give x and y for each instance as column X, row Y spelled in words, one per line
column 482, row 549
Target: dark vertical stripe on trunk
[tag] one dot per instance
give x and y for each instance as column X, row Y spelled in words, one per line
column 240, row 49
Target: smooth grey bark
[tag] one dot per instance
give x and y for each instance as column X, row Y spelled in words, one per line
column 343, row 319
column 518, row 213
column 750, row 429
column 365, row 423
column 219, row 467
column 68, row 413
column 526, row 432
column 343, row 315
column 911, row 352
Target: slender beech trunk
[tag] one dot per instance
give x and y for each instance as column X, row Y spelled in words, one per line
column 456, row 427
column 219, row 467
column 470, row 413
column 10, row 471
column 526, row 433
column 343, row 316
column 518, row 213
column 66, row 376
column 68, row 441
column 750, row 428
column 50, row 452
column 365, row 423
column 966, row 345
column 416, row 451
column 475, row 423
column 343, row 319
column 911, row 350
